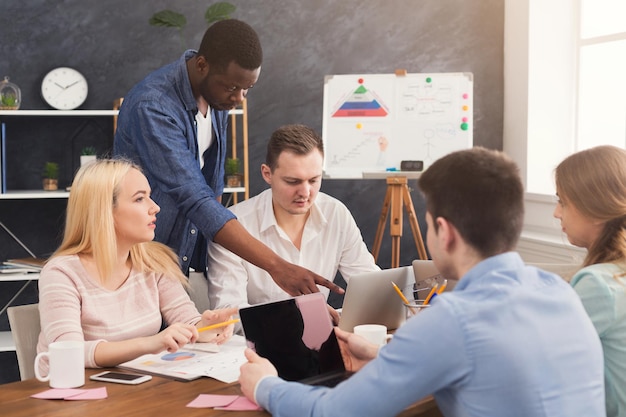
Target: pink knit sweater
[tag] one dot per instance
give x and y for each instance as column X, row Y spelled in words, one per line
column 73, row 306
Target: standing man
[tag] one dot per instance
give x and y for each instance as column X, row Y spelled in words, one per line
column 509, row 340
column 174, row 124
column 294, row 219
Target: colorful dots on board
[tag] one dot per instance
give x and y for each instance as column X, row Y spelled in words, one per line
column 464, row 126
column 464, row 119
column 429, row 80
column 465, row 108
column 359, row 126
column 465, row 96
column 360, row 80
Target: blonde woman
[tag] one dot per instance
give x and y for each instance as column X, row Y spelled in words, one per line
column 591, row 190
column 108, row 283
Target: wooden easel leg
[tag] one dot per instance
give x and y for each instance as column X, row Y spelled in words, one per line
column 395, row 227
column 417, row 234
column 381, row 225
column 397, row 197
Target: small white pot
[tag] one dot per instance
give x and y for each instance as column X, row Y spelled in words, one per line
column 85, row 159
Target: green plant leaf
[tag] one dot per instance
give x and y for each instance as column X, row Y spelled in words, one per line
column 88, row 150
column 8, row 100
column 51, row 170
column 168, row 19
column 219, row 11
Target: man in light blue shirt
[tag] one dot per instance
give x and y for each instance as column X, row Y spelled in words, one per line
column 510, row 340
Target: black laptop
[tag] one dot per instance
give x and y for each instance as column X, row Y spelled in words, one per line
column 296, row 335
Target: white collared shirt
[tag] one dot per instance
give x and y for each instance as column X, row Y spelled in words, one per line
column 331, row 241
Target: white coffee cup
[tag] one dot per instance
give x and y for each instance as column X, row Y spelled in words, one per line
column 66, row 361
column 374, row 333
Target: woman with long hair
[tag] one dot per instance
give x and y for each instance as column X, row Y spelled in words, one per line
column 109, row 284
column 591, row 190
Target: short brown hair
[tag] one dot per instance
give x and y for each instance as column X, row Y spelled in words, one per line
column 297, row 139
column 480, row 192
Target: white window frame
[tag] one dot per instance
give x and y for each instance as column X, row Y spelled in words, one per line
column 539, row 112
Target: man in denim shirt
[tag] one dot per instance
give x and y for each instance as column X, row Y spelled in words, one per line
column 173, row 124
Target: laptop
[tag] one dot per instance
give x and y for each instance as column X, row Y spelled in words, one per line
column 296, row 335
column 371, row 299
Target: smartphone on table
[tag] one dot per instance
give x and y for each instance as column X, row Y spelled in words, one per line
column 120, row 377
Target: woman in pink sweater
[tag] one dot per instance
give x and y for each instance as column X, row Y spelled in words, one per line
column 109, row 284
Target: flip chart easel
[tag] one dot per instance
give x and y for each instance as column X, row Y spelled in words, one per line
column 396, row 197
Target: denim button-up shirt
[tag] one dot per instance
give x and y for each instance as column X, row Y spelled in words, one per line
column 156, row 128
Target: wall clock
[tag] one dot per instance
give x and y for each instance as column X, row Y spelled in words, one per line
column 64, row 88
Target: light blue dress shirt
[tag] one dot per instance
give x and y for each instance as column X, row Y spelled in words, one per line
column 510, row 340
column 602, row 289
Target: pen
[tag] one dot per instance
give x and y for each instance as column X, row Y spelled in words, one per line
column 430, row 295
column 217, row 325
column 443, row 286
column 395, row 287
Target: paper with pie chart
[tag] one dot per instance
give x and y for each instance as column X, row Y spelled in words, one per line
column 189, row 363
column 372, row 122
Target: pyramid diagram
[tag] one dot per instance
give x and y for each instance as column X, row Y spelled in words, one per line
column 361, row 103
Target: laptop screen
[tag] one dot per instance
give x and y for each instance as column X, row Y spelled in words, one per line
column 295, row 335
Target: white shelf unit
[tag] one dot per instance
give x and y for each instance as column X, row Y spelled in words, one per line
column 6, row 339
column 40, row 194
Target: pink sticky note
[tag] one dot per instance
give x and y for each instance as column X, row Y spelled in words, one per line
column 57, row 393
column 90, row 394
column 210, row 401
column 240, row 404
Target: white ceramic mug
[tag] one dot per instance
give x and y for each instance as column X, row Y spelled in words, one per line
column 66, row 361
column 374, row 333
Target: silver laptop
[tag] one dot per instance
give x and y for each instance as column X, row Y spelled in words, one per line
column 371, row 299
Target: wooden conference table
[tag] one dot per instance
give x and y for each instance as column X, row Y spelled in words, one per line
column 158, row 397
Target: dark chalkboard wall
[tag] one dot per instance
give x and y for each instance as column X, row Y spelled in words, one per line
column 112, row 44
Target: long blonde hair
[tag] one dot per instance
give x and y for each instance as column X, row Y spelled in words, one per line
column 90, row 228
column 594, row 181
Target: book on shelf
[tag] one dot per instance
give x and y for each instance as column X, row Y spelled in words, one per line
column 34, row 264
column 3, row 154
column 12, row 269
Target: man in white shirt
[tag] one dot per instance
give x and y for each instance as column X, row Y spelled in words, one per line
column 301, row 224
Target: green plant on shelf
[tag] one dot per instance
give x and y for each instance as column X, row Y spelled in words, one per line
column 51, row 170
column 232, row 166
column 8, row 100
column 171, row 19
column 88, row 150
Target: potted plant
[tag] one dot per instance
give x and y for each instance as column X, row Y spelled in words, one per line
column 233, row 176
column 51, row 176
column 10, row 95
column 87, row 155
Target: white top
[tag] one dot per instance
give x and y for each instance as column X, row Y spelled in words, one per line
column 331, row 241
column 205, row 134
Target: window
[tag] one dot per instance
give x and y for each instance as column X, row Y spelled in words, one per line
column 602, row 74
column 565, row 90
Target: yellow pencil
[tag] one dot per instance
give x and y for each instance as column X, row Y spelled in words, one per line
column 430, row 295
column 395, row 287
column 218, row 325
column 443, row 286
